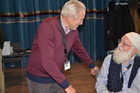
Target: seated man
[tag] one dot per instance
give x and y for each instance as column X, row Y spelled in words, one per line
column 120, row 71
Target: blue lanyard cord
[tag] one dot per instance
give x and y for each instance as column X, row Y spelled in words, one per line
column 122, row 73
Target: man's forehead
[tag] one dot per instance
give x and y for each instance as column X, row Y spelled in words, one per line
column 126, row 39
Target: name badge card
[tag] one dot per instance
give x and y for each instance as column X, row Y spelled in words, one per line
column 67, row 65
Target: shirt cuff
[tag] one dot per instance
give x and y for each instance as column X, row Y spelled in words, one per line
column 65, row 84
column 92, row 65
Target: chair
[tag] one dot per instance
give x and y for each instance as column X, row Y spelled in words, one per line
column 110, row 52
column 13, row 59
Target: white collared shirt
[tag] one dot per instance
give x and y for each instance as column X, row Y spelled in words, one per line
column 126, row 73
column 66, row 31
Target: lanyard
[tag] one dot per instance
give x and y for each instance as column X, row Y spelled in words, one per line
column 122, row 73
column 64, row 39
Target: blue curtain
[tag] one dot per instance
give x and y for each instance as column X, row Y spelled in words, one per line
column 20, row 19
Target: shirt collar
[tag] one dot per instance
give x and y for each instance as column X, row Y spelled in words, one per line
column 131, row 60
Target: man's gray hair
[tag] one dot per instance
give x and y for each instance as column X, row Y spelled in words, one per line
column 72, row 8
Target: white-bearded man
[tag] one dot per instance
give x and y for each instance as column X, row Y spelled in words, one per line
column 120, row 71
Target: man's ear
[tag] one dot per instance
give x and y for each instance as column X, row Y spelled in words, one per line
column 69, row 17
column 135, row 51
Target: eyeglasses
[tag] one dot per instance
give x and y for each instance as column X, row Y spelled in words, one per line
column 125, row 44
column 79, row 20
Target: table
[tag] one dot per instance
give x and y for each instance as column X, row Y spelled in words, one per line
column 20, row 54
column 21, row 57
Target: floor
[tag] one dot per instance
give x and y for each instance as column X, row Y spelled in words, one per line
column 79, row 76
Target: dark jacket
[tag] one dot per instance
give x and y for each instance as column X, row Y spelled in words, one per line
column 1, row 38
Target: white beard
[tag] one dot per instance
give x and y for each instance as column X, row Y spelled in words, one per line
column 119, row 56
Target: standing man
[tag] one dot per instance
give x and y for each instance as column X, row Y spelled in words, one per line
column 55, row 37
column 120, row 72
column 2, row 85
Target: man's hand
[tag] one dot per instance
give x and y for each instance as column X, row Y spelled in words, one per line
column 70, row 89
column 95, row 70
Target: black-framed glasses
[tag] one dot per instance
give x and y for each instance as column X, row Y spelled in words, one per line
column 125, row 44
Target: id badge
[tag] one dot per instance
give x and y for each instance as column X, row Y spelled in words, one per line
column 67, row 65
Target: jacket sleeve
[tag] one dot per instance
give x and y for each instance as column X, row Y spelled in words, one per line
column 102, row 77
column 1, row 38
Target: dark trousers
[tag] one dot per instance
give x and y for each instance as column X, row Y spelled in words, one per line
column 34, row 87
